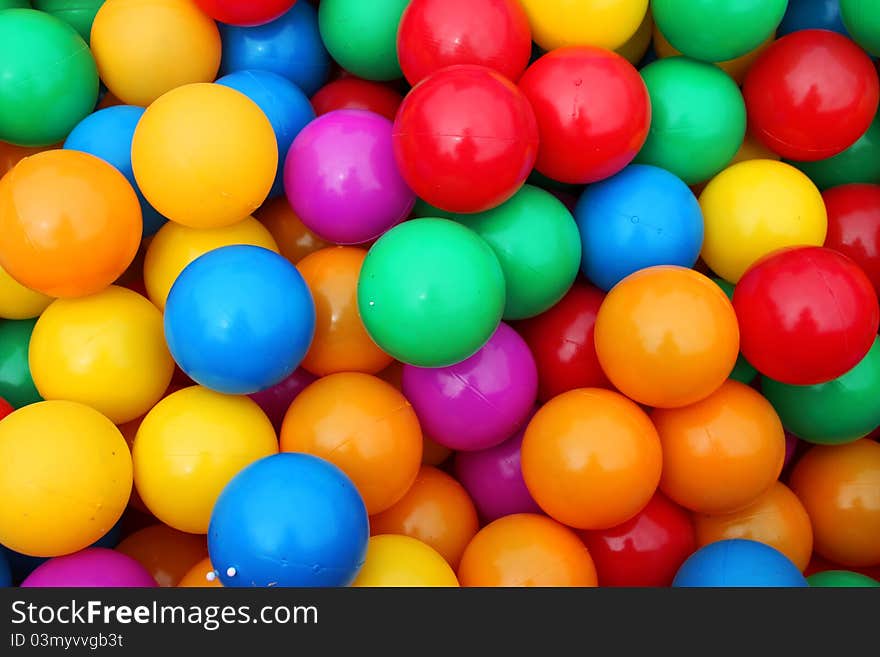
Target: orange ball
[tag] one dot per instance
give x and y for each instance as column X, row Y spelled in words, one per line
column 776, row 518
column 591, row 458
column 362, row 425
column 294, row 240
column 341, row 343
column 840, row 488
column 526, row 549
column 198, row 576
column 721, row 453
column 667, row 336
column 70, row 223
column 166, row 553
column 436, row 510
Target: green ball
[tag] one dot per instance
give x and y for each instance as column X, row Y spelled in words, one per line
column 842, row 579
column 48, row 78
column 862, row 20
column 833, row 413
column 860, row 163
column 79, row 14
column 431, row 292
column 743, row 371
column 362, row 36
column 698, row 118
column 15, row 4
column 717, row 30
column 16, row 385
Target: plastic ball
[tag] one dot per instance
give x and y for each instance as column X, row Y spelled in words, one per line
column 854, row 226
column 341, row 178
column 287, row 108
column 861, row 20
column 17, row 301
column 526, row 550
column 593, row 113
column 145, row 48
column 754, row 208
column 776, row 518
column 230, row 159
column 493, row 479
column 479, row 402
column 720, row 454
column 807, row 315
column 90, row 568
column 362, row 425
column 341, row 342
column 604, row 23
column 394, row 560
column 462, row 124
column 698, row 118
column 189, row 446
column 641, row 217
column 166, row 553
column 811, row 95
column 838, row 487
column 362, row 37
column 688, row 351
column 860, row 163
column 70, row 224
column 646, row 550
column 16, row 383
column 79, row 15
column 239, row 319
column 738, row 563
column 71, row 480
column 419, row 275
column 290, row 46
column 276, row 400
column 435, row 510
column 48, row 91
column 106, row 351
column 202, row 576
column 717, row 30
column 562, row 343
column 812, row 15
column 842, row 579
column 246, row 13
column 354, row 93
column 434, row 34
column 591, row 458
column 295, row 241
column 289, row 520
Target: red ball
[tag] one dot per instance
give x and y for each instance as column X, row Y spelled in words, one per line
column 246, row 13
column 854, row 226
column 5, row 408
column 465, row 139
column 434, row 34
column 561, row 341
column 354, row 93
column 806, row 315
column 593, row 113
column 646, row 550
column 811, row 95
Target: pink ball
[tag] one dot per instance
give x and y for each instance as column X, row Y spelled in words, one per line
column 276, row 400
column 341, row 178
column 92, row 567
column 482, row 400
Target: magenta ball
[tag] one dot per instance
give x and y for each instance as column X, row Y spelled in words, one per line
column 92, row 567
column 479, row 402
column 341, row 178
column 493, row 478
column 276, row 400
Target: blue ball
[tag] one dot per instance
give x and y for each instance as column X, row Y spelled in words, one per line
column 812, row 15
column 641, row 217
column 290, row 46
column 239, row 319
column 289, row 520
column 5, row 570
column 107, row 134
column 738, row 563
column 287, row 108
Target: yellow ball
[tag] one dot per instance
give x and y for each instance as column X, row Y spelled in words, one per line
column 19, row 302
column 204, row 155
column 175, row 246
column 145, row 48
column 605, row 23
column 65, row 480
column 394, row 560
column 189, row 447
column 106, row 351
column 754, row 208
